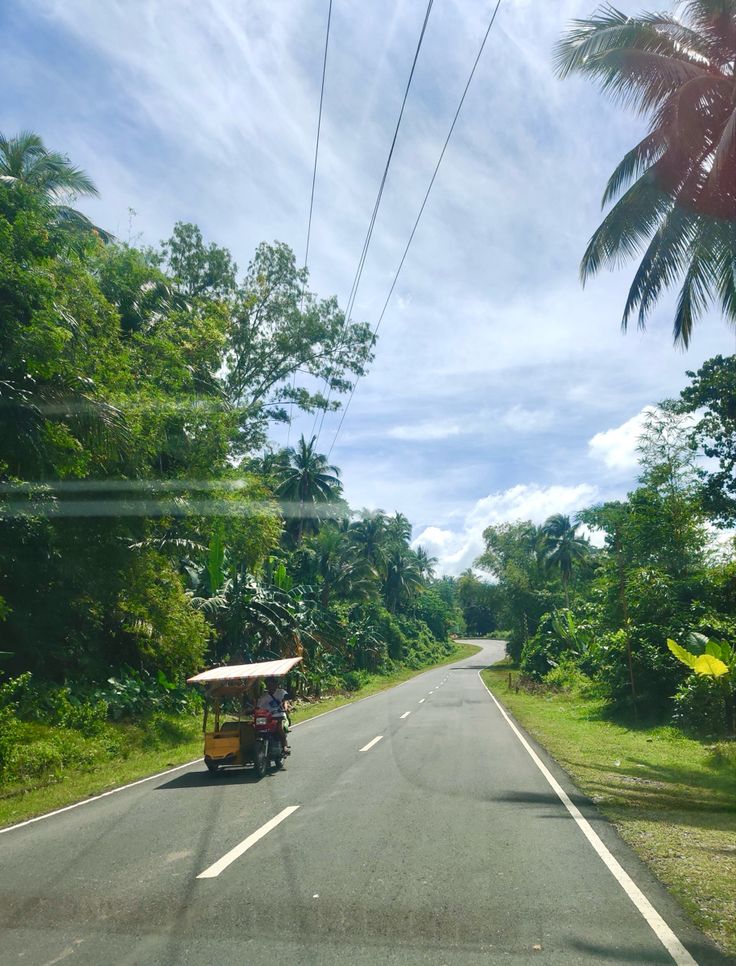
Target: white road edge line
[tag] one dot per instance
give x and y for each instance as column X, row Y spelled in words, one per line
column 96, row 798
column 229, row 857
column 660, row 928
column 371, row 743
column 404, row 715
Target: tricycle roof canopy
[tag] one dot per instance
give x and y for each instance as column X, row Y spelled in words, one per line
column 242, row 672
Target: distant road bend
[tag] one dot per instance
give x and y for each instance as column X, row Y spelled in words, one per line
column 415, row 826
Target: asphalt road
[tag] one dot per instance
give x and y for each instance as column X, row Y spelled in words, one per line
column 443, row 842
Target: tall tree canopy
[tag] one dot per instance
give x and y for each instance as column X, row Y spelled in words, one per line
column 24, row 159
column 676, row 188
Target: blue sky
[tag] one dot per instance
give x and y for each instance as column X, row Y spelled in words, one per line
column 501, row 389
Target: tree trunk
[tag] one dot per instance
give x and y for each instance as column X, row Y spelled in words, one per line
column 625, row 616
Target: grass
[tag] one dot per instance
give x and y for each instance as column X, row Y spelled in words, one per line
column 672, row 798
column 143, row 751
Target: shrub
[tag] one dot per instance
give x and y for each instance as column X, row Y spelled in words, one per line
column 9, row 724
column 567, row 676
column 136, row 694
column 355, row 680
column 700, row 706
column 35, row 760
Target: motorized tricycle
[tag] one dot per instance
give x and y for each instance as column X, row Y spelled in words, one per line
column 237, row 733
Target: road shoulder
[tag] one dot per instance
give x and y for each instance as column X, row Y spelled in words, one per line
column 622, row 837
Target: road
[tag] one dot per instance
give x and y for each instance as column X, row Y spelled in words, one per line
column 441, row 842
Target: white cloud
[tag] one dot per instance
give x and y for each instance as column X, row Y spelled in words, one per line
column 617, row 447
column 425, row 430
column 457, row 549
column 523, row 420
column 596, row 537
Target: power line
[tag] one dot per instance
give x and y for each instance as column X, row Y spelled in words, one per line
column 314, row 169
column 319, row 128
column 419, row 216
column 369, row 234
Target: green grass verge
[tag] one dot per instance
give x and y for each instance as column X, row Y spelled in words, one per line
column 672, row 798
column 142, row 753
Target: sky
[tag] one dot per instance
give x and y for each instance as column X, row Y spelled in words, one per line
column 501, row 389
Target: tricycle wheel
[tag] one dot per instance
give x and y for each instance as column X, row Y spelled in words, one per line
column 261, row 761
column 212, row 767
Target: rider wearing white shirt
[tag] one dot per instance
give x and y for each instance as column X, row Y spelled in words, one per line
column 273, row 700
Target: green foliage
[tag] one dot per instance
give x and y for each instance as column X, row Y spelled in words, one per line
column 442, row 618
column 307, row 486
column 142, row 536
column 700, row 706
column 675, row 188
column 655, row 579
column 482, row 603
column 712, row 396
column 165, row 632
column 26, row 161
column 355, row 680
column 198, row 270
column 280, row 328
column 560, row 638
column 134, row 694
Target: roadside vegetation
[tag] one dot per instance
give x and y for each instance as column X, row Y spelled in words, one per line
column 671, row 796
column 649, row 618
column 150, row 526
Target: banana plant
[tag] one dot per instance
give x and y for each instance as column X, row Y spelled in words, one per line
column 717, row 660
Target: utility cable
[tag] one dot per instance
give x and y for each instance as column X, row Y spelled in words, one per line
column 419, row 216
column 369, row 234
column 314, row 174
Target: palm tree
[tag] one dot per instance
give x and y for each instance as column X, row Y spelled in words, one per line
column 25, row 160
column 369, row 535
column 403, row 577
column 398, row 528
column 562, row 547
column 425, row 563
column 309, row 483
column 341, row 570
column 677, row 187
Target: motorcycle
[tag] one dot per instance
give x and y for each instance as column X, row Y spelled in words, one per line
column 268, row 746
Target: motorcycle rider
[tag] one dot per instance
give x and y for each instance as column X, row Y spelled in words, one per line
column 274, row 700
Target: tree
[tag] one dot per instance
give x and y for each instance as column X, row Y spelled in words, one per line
column 482, row 603
column 198, row 269
column 58, row 350
column 563, row 548
column 515, row 557
column 403, row 578
column 307, row 484
column 712, row 395
column 338, row 568
column 24, row 159
column 679, row 193
column 425, row 562
column 369, row 534
column 279, row 329
column 667, row 505
column 651, row 580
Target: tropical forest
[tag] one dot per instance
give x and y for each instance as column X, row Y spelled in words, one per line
column 149, row 528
